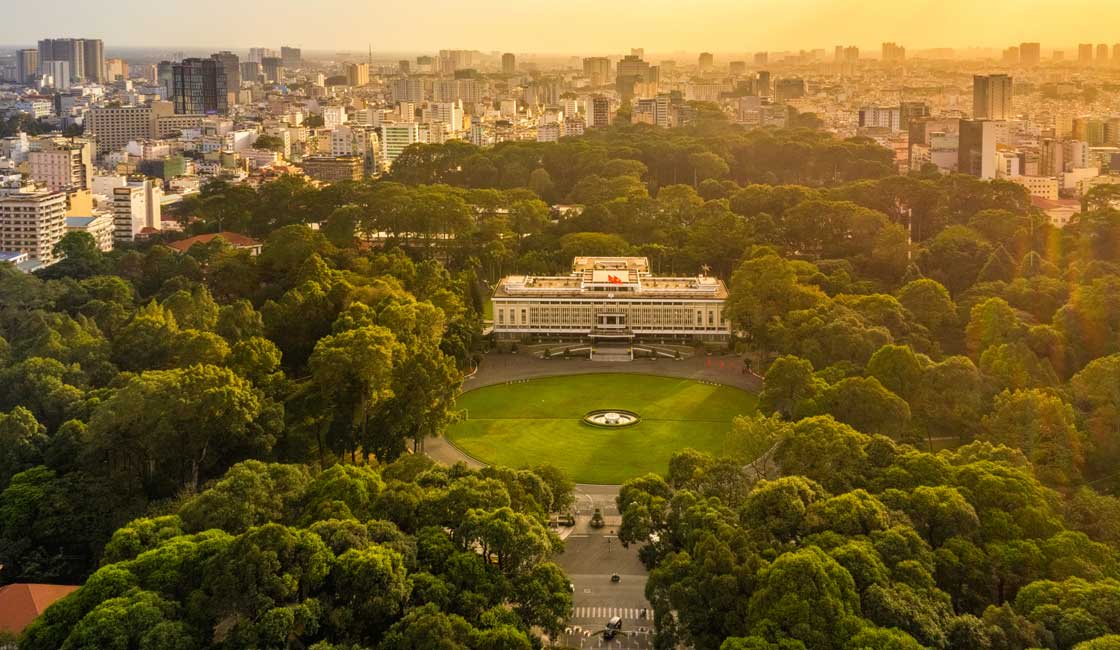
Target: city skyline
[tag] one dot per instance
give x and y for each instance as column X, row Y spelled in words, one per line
column 708, row 25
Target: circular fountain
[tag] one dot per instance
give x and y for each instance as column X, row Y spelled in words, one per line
column 611, row 418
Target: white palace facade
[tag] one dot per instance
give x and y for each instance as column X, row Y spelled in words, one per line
column 611, row 299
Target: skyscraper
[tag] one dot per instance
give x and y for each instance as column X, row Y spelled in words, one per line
column 509, row 63
column 291, row 57
column 1030, row 53
column 199, row 86
column 232, row 66
column 272, row 68
column 1085, row 53
column 27, row 65
column 597, row 69
column 991, row 97
column 357, row 74
column 1102, row 54
column 85, row 56
column 976, row 154
column 94, row 57
column 706, row 62
column 893, row 52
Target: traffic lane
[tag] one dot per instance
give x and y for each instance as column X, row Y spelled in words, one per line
column 596, row 598
column 590, row 640
column 598, row 554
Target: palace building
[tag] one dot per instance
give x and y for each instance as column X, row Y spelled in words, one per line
column 611, row 299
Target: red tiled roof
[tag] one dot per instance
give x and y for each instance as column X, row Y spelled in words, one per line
column 22, row 603
column 236, row 240
column 1049, row 204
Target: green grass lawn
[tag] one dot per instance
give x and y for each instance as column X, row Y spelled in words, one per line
column 539, row 421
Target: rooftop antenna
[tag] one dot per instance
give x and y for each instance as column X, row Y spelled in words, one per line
column 371, row 56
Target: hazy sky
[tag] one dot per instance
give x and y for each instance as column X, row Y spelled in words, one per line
column 561, row 26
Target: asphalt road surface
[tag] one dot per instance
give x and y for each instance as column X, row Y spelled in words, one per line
column 591, row 556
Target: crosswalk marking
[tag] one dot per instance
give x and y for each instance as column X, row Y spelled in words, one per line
column 605, row 613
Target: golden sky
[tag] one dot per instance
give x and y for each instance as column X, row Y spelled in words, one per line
column 569, row 26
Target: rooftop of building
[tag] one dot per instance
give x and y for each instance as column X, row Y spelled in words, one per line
column 617, row 277
column 20, row 604
column 234, row 239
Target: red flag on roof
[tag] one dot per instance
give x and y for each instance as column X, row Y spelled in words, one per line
column 614, row 279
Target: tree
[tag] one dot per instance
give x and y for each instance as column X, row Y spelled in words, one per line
column 898, row 369
column 23, row 440
column 991, row 322
column 806, row 595
column 1044, row 428
column 752, row 439
column 172, row 428
column 929, row 302
column 592, row 243
column 543, row 598
column 940, row 512
column 763, row 289
column 353, row 370
column 789, row 384
column 866, row 405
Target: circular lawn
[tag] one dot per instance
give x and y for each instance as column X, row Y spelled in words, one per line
column 541, row 421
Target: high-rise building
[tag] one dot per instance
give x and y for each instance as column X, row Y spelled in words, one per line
column 509, row 63
column 94, row 57
column 199, row 86
column 136, row 209
column 1011, row 55
column 1102, row 54
column 251, row 71
column 291, row 57
column 1116, row 54
column 70, row 50
column 32, row 223
column 736, row 68
column 598, row 112
column 632, row 66
column 706, row 62
column 597, row 69
column 991, row 97
column 232, row 65
column 258, row 54
column 881, row 117
column 357, row 74
column 63, row 165
column 395, row 138
column 1030, row 53
column 85, row 56
column 113, row 127
column 115, row 69
column 1085, row 53
column 976, row 154
column 763, row 83
column 908, row 111
column 27, row 65
column 411, row 89
column 273, row 69
column 893, row 52
column 165, row 78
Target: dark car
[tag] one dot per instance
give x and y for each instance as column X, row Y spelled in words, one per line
column 614, row 626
